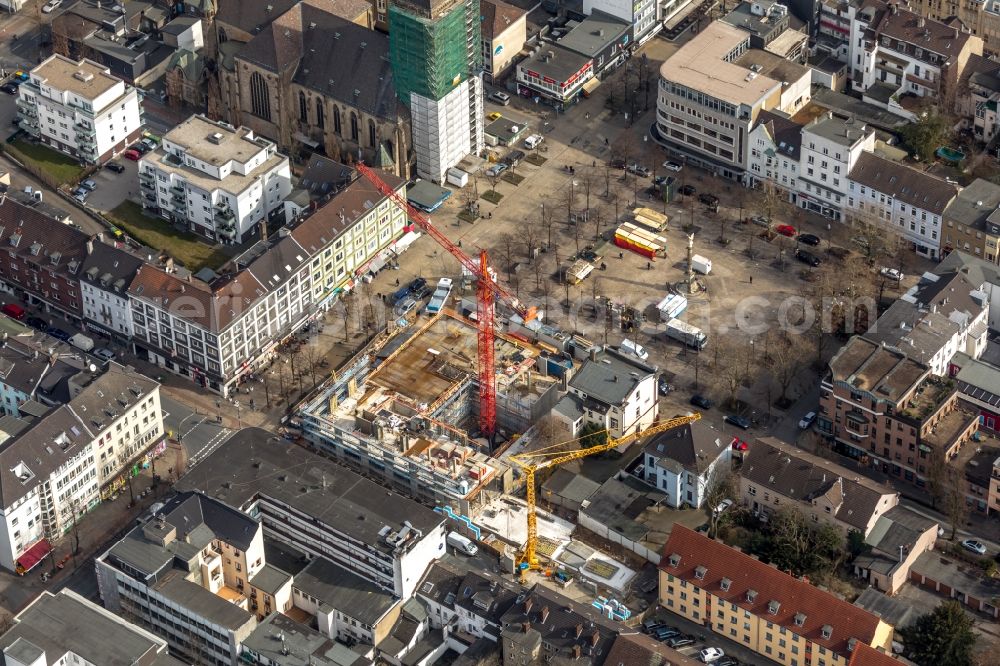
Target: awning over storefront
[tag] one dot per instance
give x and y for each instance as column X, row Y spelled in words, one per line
column 405, row 240
column 591, row 85
column 31, row 557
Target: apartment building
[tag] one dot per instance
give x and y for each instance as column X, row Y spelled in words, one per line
column 831, row 148
column 185, row 574
column 775, row 152
column 982, row 18
column 37, row 368
column 105, row 277
column 215, row 332
column 614, row 390
column 711, row 92
column 42, row 259
column 684, row 462
column 505, row 29
column 902, row 199
column 776, row 615
column 57, row 464
column 478, row 613
column 313, row 504
column 65, row 628
column 971, row 221
column 221, row 182
column 896, row 540
column 887, row 410
column 978, row 272
column 644, row 16
column 978, row 96
column 942, row 315
column 895, row 52
column 79, row 108
column 769, row 25
column 776, row 474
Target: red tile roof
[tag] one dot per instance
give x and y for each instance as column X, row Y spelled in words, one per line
column 864, row 655
column 746, row 573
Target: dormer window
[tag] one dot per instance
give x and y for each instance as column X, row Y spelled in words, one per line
column 800, row 619
column 751, row 595
column 675, row 560
column 773, row 607
column 827, row 631
column 725, row 584
column 851, row 642
column 699, row 573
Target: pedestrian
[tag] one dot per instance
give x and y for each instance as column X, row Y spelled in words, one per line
column 649, row 265
column 751, row 279
column 621, row 255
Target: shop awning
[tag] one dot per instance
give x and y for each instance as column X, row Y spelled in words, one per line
column 591, row 85
column 31, row 557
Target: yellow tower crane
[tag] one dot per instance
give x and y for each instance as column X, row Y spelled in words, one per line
column 532, row 461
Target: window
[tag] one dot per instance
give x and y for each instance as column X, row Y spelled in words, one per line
column 354, row 126
column 303, row 108
column 336, row 120
column 320, row 120
column 371, row 133
column 260, row 97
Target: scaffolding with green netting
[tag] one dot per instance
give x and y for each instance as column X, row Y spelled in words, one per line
column 430, row 56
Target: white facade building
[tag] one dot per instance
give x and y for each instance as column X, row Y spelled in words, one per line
column 905, row 200
column 643, row 15
column 447, row 129
column 617, row 392
column 219, row 181
column 684, row 462
column 79, row 108
column 775, row 145
column 831, row 146
column 105, row 277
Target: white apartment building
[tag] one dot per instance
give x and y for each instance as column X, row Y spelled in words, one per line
column 711, row 92
column 775, row 148
column 905, row 200
column 831, row 146
column 79, row 108
column 684, row 462
column 218, row 180
column 186, row 574
column 55, row 468
column 216, row 333
column 105, row 276
column 643, row 15
column 314, row 506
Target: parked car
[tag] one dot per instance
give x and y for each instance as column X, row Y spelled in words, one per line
column 14, row 311
column 739, row 444
column 37, row 322
column 663, row 386
column 58, row 333
column 806, row 421
column 501, row 98
column 708, row 199
column 90, row 185
column 651, row 625
column 617, row 164
column 9, row 88
column 701, row 401
column 891, row 273
column 496, row 115
column 808, row 258
column 738, row 421
column 104, row 353
column 786, row 230
column 808, row 239
column 533, row 141
column 974, row 546
column 680, row 641
column 496, row 169
column 727, row 661
column 760, row 221
column 666, row 633
column 51, row 6
column 133, row 155
column 722, row 507
column 672, row 166
column 417, row 284
column 117, row 167
column 80, row 194
column 710, row 655
column 514, row 157
column 639, row 170
column 404, row 307
column 688, row 190
column 149, row 143
column 139, row 147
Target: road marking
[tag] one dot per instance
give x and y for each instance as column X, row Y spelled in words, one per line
column 188, row 431
column 212, row 444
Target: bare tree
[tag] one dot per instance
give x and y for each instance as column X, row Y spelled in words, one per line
column 507, row 242
column 723, row 486
column 597, row 213
column 733, row 366
column 784, row 358
column 547, row 223
column 311, row 358
column 569, row 199
column 587, row 180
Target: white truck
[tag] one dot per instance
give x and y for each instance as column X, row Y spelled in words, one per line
column 440, row 296
column 686, row 334
column 462, row 544
column 82, row 342
column 671, row 307
column 700, row 264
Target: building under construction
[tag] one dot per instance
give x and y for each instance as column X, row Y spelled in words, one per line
column 403, row 409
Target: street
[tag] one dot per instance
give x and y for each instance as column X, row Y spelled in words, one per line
column 200, row 434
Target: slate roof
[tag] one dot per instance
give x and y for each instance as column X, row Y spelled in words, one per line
column 800, row 476
column 325, row 176
column 929, row 35
column 718, row 562
column 643, row 650
column 109, row 268
column 251, row 17
column 974, row 204
column 609, row 379
column 692, row 447
column 785, row 132
column 905, row 184
column 343, row 590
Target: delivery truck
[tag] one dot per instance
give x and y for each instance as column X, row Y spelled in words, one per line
column 686, row 334
column 671, row 307
column 462, row 544
column 700, row 264
column 440, row 297
column 82, row 342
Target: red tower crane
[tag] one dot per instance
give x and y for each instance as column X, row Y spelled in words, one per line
column 488, row 290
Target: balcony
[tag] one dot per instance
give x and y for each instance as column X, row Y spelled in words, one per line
column 226, row 224
column 228, row 233
column 224, row 215
column 177, row 188
column 179, row 198
column 27, row 108
column 84, row 131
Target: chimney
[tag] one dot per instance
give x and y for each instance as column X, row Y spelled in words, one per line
column 579, row 630
column 593, row 353
column 577, row 651
column 527, row 605
column 525, row 626
column 595, row 638
column 544, row 615
column 90, row 246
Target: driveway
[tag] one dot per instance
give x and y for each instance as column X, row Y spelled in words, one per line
column 114, row 188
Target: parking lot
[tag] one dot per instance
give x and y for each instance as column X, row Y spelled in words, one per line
column 677, row 627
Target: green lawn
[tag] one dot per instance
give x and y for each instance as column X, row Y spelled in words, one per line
column 62, row 168
column 192, row 251
column 492, row 196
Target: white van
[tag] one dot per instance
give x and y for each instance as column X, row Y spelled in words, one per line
column 532, row 141
column 634, row 348
column 462, row 544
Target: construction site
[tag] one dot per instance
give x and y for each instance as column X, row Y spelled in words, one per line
column 404, row 411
